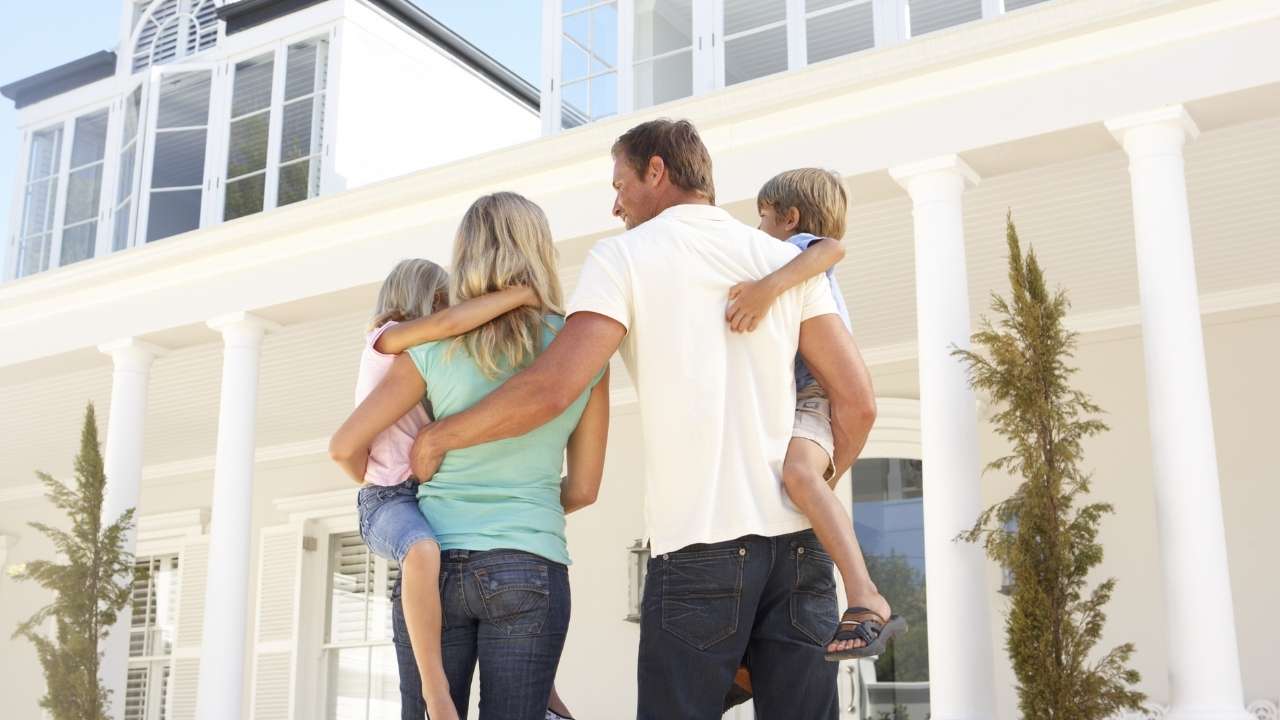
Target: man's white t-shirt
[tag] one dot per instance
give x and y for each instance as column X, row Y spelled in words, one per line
column 716, row 407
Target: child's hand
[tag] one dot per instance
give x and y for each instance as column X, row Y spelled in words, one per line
column 748, row 304
column 529, row 297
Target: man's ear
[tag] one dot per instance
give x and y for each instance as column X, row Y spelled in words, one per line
column 657, row 168
column 792, row 219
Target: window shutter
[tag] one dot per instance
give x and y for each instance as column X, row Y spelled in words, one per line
column 184, row 676
column 276, row 629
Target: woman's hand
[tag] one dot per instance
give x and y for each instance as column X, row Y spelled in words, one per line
column 749, row 302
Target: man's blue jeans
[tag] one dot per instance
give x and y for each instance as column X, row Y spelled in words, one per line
column 767, row 601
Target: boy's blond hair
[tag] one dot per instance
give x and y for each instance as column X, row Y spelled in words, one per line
column 817, row 194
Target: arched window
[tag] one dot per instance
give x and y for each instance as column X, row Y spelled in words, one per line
column 166, row 30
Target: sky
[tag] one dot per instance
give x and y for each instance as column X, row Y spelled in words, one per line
column 38, row 36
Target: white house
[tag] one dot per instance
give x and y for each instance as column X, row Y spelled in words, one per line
column 1137, row 143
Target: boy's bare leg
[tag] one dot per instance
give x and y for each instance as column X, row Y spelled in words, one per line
column 556, row 704
column 802, row 475
column 420, row 598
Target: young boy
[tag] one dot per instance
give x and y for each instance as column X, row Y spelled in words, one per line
column 806, row 208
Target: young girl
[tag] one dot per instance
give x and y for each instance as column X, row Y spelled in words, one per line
column 410, row 311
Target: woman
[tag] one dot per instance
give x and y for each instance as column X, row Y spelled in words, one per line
column 498, row 508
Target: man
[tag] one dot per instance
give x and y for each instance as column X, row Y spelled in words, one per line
column 736, row 574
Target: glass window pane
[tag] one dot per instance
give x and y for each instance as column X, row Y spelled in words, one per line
column 124, row 186
column 840, row 33
column 301, row 72
column 1011, row 5
column 298, row 181
column 662, row 26
column 573, row 61
column 663, row 80
column 46, row 150
column 131, row 109
column 299, row 136
column 179, row 160
column 604, row 34
column 245, row 196
column 247, row 146
column 77, row 242
column 184, row 100
column 90, row 143
column 604, row 96
column 575, row 100
column 740, row 15
column 252, row 90
column 84, row 188
column 755, row 55
column 577, row 26
column 888, row 518
column 930, row 15
column 814, row 5
column 120, row 234
column 363, row 683
column 173, row 212
column 37, row 216
column 33, row 255
column 569, row 5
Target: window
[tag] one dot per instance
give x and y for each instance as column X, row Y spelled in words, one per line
column 837, row 27
column 306, row 73
column 588, row 62
column 888, row 517
column 930, row 15
column 84, row 187
column 360, row 661
column 151, row 634
column 1011, row 5
column 35, row 234
column 755, row 39
column 127, row 182
column 178, row 162
column 165, row 30
column 663, row 49
column 247, row 147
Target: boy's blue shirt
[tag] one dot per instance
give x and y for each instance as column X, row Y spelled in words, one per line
column 803, row 241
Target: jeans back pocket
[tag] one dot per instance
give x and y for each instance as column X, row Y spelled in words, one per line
column 701, row 593
column 814, row 608
column 516, row 595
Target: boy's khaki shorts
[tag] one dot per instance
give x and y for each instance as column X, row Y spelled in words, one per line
column 813, row 422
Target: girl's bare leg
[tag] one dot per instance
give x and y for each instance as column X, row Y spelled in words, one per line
column 802, row 475
column 420, row 597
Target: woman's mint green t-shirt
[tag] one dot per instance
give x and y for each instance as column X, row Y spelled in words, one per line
column 502, row 494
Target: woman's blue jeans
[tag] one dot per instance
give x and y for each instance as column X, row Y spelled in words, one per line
column 508, row 612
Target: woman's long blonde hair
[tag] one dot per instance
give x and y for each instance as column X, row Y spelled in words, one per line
column 504, row 241
column 414, row 288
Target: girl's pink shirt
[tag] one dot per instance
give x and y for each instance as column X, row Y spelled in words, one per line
column 389, row 453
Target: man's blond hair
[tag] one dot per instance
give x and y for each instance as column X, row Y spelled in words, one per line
column 817, row 194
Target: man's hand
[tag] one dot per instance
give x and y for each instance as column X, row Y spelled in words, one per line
column 424, row 458
column 749, row 302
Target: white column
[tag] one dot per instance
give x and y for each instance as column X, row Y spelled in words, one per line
column 1204, row 667
column 122, row 463
column 961, row 683
column 218, row 695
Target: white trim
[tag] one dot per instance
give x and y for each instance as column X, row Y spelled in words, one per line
column 168, row 533
column 317, row 506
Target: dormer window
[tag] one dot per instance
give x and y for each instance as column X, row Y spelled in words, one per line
column 165, row 30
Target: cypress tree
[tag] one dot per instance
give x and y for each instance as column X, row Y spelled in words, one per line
column 1046, row 533
column 90, row 585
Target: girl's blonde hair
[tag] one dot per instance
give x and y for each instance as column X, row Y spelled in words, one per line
column 504, row 241
column 414, row 288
